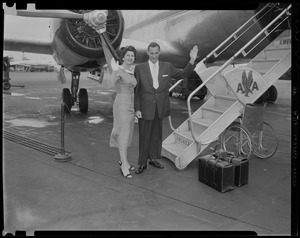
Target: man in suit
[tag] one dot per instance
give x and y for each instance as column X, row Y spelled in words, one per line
column 152, row 102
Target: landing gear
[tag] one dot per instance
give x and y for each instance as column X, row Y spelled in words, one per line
column 70, row 97
column 272, row 94
column 268, row 96
column 263, row 98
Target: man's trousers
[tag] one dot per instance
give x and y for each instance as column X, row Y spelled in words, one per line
column 150, row 139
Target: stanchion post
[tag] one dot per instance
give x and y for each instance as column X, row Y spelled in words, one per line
column 62, row 157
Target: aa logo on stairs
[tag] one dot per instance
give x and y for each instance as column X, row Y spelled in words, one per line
column 248, row 85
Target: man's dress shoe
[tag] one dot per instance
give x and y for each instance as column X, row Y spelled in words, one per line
column 141, row 169
column 156, row 164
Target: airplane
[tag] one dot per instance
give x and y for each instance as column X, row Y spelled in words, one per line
column 87, row 40
column 33, row 65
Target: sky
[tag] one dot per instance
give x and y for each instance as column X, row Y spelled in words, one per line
column 26, row 27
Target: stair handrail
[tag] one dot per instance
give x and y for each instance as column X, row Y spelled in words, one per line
column 169, row 117
column 239, row 29
column 246, row 53
column 223, row 67
column 219, row 46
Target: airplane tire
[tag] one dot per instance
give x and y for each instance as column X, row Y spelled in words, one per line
column 83, row 100
column 6, row 85
column 272, row 94
column 67, row 99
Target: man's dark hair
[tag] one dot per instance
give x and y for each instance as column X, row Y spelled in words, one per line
column 153, row 45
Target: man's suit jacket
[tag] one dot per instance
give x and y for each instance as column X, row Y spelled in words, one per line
column 147, row 98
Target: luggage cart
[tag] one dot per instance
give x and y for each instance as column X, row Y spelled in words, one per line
column 5, row 69
column 250, row 134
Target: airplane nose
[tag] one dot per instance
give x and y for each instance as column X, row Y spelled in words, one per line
column 96, row 19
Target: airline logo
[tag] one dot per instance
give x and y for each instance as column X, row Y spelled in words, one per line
column 248, row 85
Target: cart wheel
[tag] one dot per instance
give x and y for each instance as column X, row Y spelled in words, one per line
column 265, row 142
column 236, row 138
column 6, row 85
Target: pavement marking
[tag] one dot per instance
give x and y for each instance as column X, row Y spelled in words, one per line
column 34, row 98
column 29, row 122
column 95, row 120
column 17, row 94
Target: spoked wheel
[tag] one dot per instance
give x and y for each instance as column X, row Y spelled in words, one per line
column 67, row 99
column 83, row 100
column 265, row 142
column 236, row 138
column 6, row 85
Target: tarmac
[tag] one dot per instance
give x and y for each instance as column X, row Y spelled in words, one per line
column 88, row 192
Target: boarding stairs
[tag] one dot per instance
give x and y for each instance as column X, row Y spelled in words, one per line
column 230, row 89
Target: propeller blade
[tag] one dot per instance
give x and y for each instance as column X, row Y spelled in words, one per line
column 51, row 14
column 32, row 12
column 101, row 75
column 108, row 51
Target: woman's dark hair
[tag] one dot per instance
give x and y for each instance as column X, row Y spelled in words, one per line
column 128, row 48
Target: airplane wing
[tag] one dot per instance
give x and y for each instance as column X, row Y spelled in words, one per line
column 28, row 45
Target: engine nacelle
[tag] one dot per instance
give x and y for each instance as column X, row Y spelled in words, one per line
column 78, row 47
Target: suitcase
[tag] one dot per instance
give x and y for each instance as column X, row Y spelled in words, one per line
column 241, row 169
column 216, row 173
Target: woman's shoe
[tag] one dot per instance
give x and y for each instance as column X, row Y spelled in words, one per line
column 141, row 169
column 131, row 168
column 129, row 176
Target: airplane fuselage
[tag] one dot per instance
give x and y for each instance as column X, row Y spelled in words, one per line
column 77, row 47
column 177, row 31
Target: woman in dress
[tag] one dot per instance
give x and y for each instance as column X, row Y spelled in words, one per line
column 123, row 108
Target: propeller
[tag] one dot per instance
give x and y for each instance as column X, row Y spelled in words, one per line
column 32, row 12
column 95, row 19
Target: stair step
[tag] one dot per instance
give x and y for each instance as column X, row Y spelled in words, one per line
column 204, row 121
column 225, row 97
column 174, row 149
column 210, row 114
column 185, row 137
column 270, row 54
column 265, row 60
column 264, row 64
column 199, row 126
column 278, row 49
column 217, row 109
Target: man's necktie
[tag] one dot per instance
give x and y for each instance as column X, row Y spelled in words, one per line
column 155, row 76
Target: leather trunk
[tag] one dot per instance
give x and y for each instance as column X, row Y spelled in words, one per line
column 241, row 168
column 216, row 173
